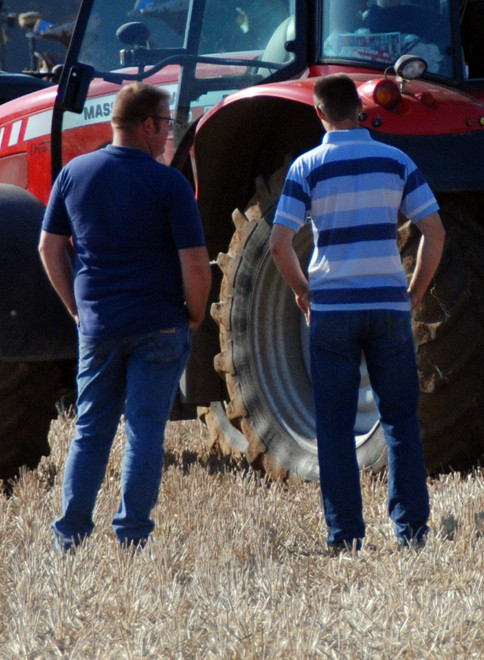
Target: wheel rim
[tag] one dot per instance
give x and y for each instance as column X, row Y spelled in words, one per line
column 279, row 341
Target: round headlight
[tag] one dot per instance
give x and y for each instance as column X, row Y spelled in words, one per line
column 409, row 67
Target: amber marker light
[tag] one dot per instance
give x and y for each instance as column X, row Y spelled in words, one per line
column 387, row 94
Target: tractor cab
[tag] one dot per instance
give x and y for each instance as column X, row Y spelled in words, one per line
column 372, row 33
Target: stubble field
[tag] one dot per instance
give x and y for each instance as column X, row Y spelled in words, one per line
column 235, row 569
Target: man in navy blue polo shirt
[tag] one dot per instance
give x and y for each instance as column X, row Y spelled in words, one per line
column 137, row 288
column 357, row 301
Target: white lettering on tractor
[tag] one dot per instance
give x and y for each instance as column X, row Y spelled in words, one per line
column 96, row 111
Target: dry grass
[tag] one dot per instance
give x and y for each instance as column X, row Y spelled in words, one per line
column 235, row 570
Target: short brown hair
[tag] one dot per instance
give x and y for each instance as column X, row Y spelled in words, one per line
column 135, row 103
column 337, row 97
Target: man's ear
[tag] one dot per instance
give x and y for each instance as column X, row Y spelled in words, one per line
column 319, row 112
column 148, row 126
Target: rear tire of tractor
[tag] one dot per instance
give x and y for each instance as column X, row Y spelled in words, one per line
column 264, row 356
column 28, row 394
column 264, row 352
column 449, row 336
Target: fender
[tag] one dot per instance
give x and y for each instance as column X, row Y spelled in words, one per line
column 34, row 325
column 444, row 136
column 235, row 145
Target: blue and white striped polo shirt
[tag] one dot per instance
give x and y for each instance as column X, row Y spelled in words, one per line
column 352, row 188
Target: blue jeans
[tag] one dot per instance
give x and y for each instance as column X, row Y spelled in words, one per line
column 337, row 340
column 138, row 376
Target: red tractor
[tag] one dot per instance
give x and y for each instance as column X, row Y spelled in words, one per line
column 241, row 78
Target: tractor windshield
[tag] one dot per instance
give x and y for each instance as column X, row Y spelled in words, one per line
column 378, row 32
column 143, row 33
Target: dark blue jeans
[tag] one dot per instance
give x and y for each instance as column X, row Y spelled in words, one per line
column 138, row 376
column 385, row 338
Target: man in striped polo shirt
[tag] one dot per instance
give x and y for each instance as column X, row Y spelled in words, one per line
column 356, row 301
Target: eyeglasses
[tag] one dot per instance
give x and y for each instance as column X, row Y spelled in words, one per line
column 170, row 120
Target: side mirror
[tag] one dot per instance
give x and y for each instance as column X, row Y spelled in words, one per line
column 73, row 92
column 133, row 34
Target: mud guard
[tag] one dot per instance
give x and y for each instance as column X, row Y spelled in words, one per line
column 34, row 324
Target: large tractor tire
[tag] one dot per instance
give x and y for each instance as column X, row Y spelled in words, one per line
column 28, row 394
column 264, row 350
column 449, row 336
column 264, row 355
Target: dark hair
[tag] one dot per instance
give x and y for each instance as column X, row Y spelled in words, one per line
column 134, row 103
column 337, row 97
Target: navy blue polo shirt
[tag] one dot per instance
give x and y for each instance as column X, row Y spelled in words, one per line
column 128, row 216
